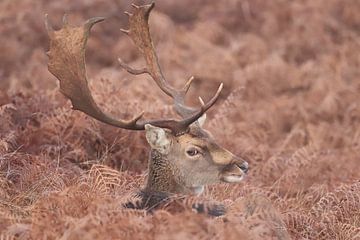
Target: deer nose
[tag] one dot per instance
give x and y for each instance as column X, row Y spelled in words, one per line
column 244, row 166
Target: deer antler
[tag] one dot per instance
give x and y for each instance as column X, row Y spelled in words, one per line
column 67, row 63
column 140, row 34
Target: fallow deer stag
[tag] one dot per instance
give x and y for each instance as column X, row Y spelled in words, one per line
column 184, row 157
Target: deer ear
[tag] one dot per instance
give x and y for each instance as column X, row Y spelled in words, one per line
column 202, row 120
column 157, row 138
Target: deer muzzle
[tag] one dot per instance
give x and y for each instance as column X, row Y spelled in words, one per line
column 235, row 171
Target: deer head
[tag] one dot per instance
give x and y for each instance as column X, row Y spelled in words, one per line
column 184, row 157
column 187, row 162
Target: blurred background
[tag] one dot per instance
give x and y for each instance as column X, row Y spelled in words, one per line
column 290, row 104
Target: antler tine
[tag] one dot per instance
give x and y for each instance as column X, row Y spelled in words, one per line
column 203, row 109
column 48, row 25
column 132, row 70
column 127, row 13
column 65, row 19
column 188, row 84
column 140, row 35
column 201, row 101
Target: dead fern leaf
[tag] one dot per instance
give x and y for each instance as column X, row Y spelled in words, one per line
column 104, row 178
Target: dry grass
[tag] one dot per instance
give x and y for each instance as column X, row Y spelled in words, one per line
column 291, row 107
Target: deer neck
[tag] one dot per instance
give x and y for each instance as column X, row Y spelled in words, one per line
column 165, row 177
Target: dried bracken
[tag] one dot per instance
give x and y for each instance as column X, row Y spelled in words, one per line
column 290, row 105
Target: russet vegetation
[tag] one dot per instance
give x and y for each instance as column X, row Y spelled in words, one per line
column 289, row 107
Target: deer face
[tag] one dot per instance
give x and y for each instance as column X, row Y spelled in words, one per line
column 195, row 158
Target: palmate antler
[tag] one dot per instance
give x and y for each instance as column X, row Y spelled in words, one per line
column 67, row 63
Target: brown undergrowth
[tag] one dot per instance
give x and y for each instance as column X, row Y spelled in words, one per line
column 291, row 107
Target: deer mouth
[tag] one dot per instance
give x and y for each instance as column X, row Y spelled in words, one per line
column 233, row 173
column 232, row 178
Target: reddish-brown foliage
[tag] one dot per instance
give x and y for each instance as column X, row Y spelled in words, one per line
column 291, row 107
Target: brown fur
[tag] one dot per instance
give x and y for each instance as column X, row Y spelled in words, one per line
column 175, row 172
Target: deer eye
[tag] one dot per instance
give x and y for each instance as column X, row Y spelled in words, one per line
column 192, row 152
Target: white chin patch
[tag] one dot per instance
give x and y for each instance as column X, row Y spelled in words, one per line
column 232, row 179
column 198, row 190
